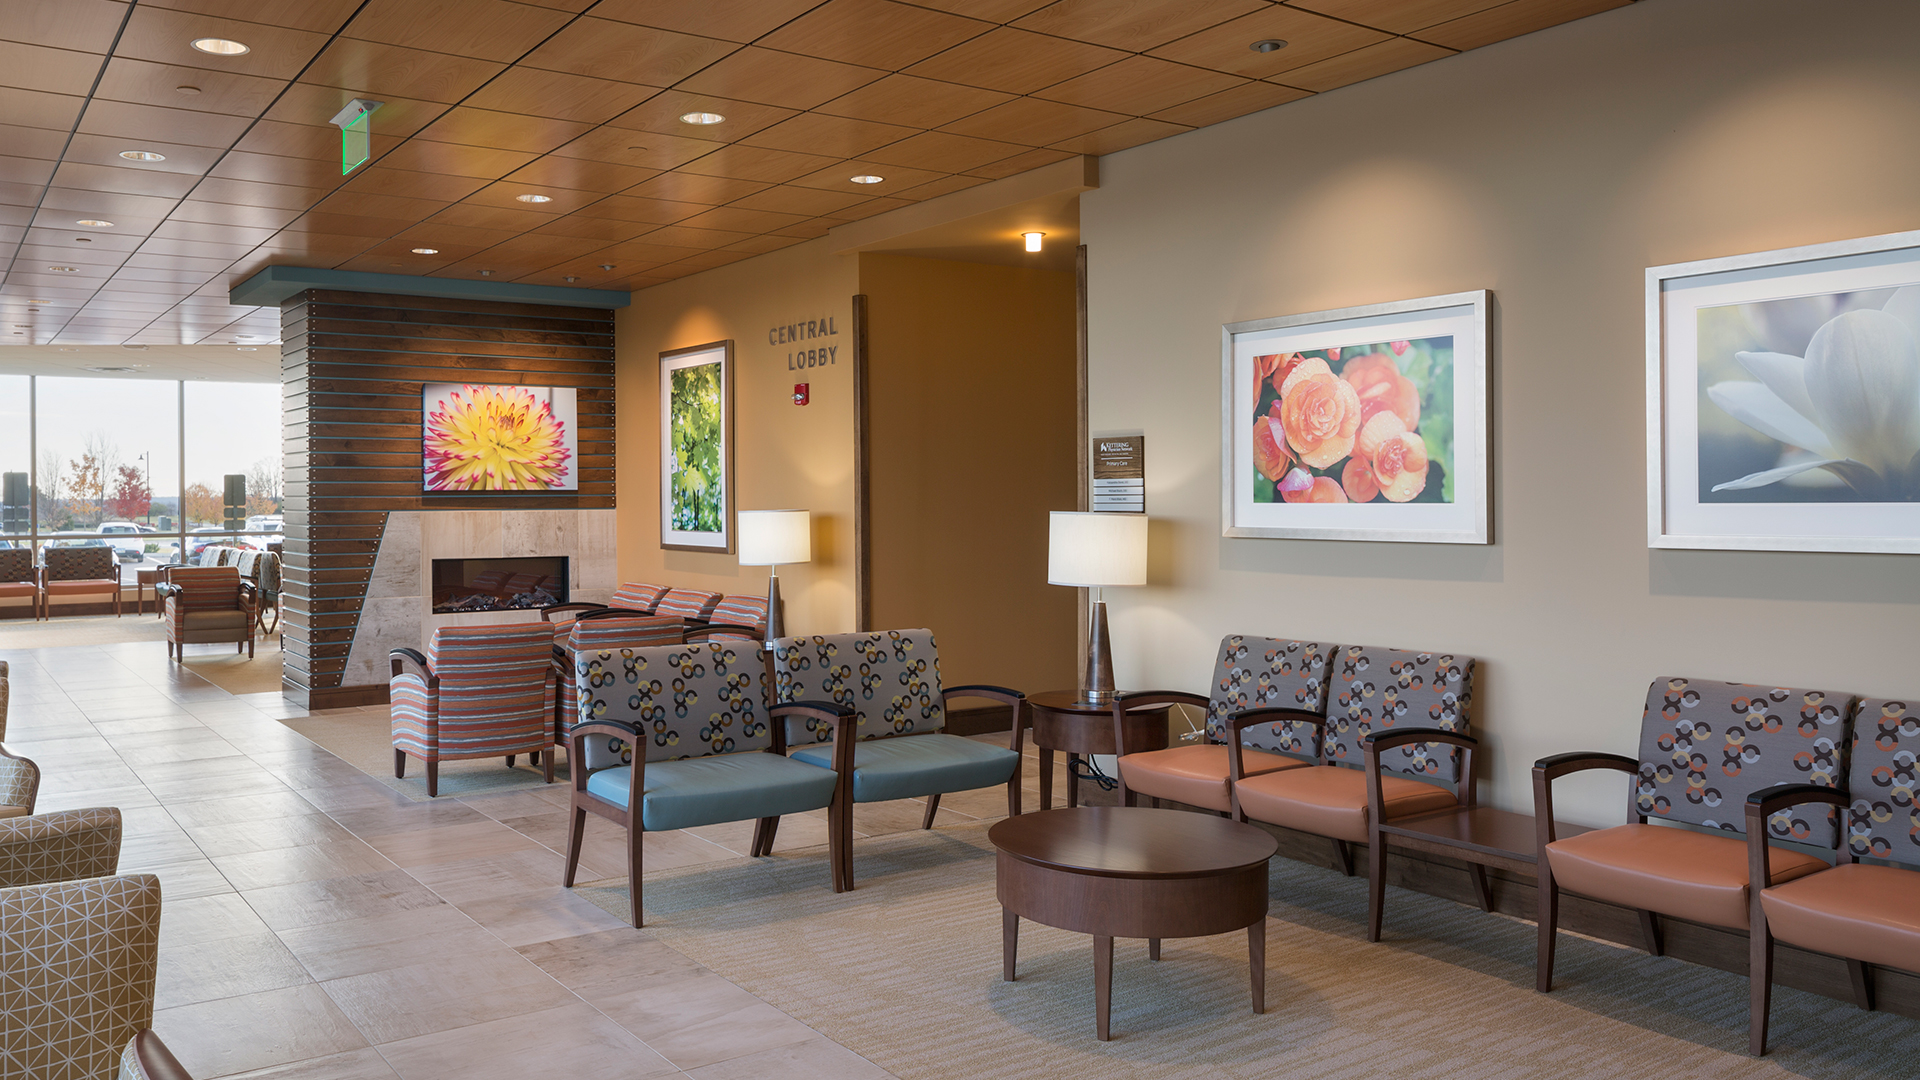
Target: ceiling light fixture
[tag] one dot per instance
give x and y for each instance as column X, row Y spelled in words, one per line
column 486, row 273
column 866, row 178
column 569, row 279
column 220, row 46
column 94, row 223
column 39, row 301
column 83, row 239
column 606, row 266
column 246, row 348
column 701, row 119
column 189, row 91
column 534, row 198
column 64, row 269
column 1267, row 45
column 426, row 251
column 142, row 155
column 1032, row 239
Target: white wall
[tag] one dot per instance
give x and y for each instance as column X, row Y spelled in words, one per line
column 1551, row 169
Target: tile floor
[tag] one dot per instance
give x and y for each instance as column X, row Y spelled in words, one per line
column 319, row 926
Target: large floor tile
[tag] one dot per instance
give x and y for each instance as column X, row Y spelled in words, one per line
column 818, row 1058
column 223, row 968
column 702, row 1019
column 366, row 1064
column 231, row 1035
column 448, row 843
column 445, row 993
column 574, row 1041
column 282, row 866
column 609, row 963
column 325, row 900
column 336, row 950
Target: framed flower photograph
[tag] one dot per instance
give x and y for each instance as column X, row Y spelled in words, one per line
column 696, row 448
column 499, row 438
column 1783, row 399
column 1362, row 423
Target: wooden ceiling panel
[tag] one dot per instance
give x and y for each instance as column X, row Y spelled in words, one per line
column 438, row 188
column 314, row 105
column 69, row 254
column 318, row 16
column 506, row 131
column 939, row 151
column 443, row 235
column 1133, row 25
column 698, row 239
column 946, row 185
column 198, row 249
column 1121, row 136
column 653, row 211
column 580, row 175
column 30, row 172
column 165, row 37
column 113, row 206
column 1140, row 85
column 478, row 216
column 914, row 102
column 386, row 72
column 211, row 266
column 53, row 71
column 605, row 230
column 363, row 204
column 1511, row 20
column 738, row 162
column 782, row 79
column 873, row 33
column 558, row 95
column 506, row 194
column 836, row 136
column 866, row 210
column 1019, row 163
column 636, row 54
column 1034, row 122
column 731, row 20
column 893, row 178
column 636, row 149
column 1396, row 16
column 689, row 187
column 641, row 252
column 1310, row 38
column 225, row 92
column 662, row 112
column 127, row 120
column 991, row 10
column 361, row 227
column 760, row 245
column 741, row 220
column 456, row 160
column 304, row 141
column 1227, row 104
column 82, row 25
column 487, row 29
column 53, row 234
column 1390, row 55
column 84, row 177
column 39, row 109
column 1016, row 61
column 175, row 275
column 248, row 167
column 707, row 260
column 251, row 193
column 104, row 151
column 259, row 217
column 806, row 202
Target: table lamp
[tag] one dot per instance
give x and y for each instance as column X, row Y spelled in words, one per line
column 770, row 538
column 1095, row 550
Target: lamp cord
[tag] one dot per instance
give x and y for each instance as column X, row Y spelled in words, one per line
column 1084, row 768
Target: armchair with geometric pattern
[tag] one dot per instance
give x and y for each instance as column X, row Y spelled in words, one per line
column 77, row 966
column 147, row 1058
column 479, row 692
column 64, row 845
column 19, row 778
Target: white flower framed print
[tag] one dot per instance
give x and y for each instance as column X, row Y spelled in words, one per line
column 1783, row 399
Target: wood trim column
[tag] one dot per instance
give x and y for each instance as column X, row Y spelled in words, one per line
column 862, row 475
column 1082, row 451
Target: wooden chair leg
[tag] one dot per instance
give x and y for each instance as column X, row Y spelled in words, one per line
column 846, row 844
column 1547, row 903
column 1650, row 933
column 546, row 762
column 433, row 779
column 933, row 807
column 510, row 758
column 634, row 834
column 1480, row 887
column 1153, row 948
column 1862, row 975
column 1343, row 857
column 757, row 847
column 1760, row 976
column 1376, row 885
column 1153, row 801
column 575, row 833
column 399, row 764
column 1013, row 794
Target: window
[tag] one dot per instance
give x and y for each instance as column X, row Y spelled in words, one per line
column 16, row 451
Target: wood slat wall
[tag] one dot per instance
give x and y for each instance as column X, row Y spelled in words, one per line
column 352, row 366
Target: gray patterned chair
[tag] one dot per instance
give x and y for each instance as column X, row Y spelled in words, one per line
column 19, row 777
column 147, row 1058
column 62, row 846
column 1271, row 676
column 18, row 577
column 891, row 679
column 1374, row 690
column 709, row 748
column 77, row 964
column 1704, row 748
column 263, row 569
column 1865, row 913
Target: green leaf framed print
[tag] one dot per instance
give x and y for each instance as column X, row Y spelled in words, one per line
column 696, row 448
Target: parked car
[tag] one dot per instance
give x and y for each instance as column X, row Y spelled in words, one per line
column 131, row 549
column 205, row 535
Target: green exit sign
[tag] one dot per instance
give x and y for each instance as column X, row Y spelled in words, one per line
column 356, row 133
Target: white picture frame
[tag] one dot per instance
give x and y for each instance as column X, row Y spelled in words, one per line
column 697, row 516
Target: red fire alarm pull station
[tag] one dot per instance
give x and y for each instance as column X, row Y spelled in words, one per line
column 801, row 393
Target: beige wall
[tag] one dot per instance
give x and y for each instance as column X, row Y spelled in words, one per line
column 1551, row 169
column 785, row 456
column 972, row 403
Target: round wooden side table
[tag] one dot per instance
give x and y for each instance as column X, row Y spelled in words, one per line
column 1060, row 721
column 1133, row 872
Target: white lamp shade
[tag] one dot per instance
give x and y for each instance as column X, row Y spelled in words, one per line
column 775, row 537
column 1096, row 549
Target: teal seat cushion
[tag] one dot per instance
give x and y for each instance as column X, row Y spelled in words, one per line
column 913, row 765
column 725, row 787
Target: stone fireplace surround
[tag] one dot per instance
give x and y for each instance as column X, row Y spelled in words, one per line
column 398, row 612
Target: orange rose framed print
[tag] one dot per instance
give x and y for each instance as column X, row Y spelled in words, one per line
column 1363, row 423
column 1783, row 399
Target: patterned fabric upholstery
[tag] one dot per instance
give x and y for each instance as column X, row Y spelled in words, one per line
column 263, row 569
column 693, row 700
column 1706, row 746
column 1375, row 689
column 207, row 604
column 1884, row 821
column 77, row 965
column 16, row 564
column 6, row 693
column 604, row 635
column 741, row 611
column 62, row 846
column 891, row 678
column 688, row 604
column 82, row 564
column 209, row 556
column 637, row 595
column 19, row 777
column 1257, row 673
column 494, row 697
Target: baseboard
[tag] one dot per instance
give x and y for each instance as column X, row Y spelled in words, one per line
column 336, row 697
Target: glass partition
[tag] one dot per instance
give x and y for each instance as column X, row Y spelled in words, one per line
column 233, row 464
column 16, row 465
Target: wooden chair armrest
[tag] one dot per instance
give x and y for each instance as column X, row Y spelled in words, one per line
column 155, row 1059
column 1001, row 694
column 1760, row 805
column 1551, row 768
column 843, row 716
column 1140, row 699
column 546, row 613
column 1379, row 741
column 1387, row 740
column 400, row 657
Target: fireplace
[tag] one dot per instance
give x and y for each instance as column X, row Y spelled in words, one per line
column 498, row 584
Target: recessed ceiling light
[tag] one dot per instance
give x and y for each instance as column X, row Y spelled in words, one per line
column 1267, row 45
column 219, row 46
column 189, row 91
column 570, row 279
column 142, row 155
column 866, row 178
column 486, row 273
column 426, row 251
column 636, row 148
column 701, row 118
column 246, row 348
column 94, row 223
column 534, row 198
column 1032, row 239
column 39, row 301
column 606, row 266
column 83, row 239
column 64, row 269
column 68, row 348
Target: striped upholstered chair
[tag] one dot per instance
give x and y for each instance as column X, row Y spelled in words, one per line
column 693, row 605
column 479, row 692
column 744, row 611
column 613, row 636
column 631, row 598
column 18, row 578
column 208, row 603
column 77, row 967
column 79, row 572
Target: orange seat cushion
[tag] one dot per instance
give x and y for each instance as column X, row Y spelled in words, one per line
column 1195, row 775
column 18, row 588
column 1676, row 872
column 1855, row 910
column 84, row 585
column 1332, row 801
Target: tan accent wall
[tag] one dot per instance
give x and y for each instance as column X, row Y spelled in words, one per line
column 1551, row 169
column 785, row 455
column 973, row 411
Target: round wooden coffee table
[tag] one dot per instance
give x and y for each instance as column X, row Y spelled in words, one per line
column 1133, row 872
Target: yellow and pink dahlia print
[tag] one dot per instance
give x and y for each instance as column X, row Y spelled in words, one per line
column 499, row 438
column 1355, row 424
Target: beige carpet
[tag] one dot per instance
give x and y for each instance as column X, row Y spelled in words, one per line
column 234, row 672
column 906, row 972
column 363, row 739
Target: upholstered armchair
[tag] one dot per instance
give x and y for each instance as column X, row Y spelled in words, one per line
column 891, row 679
column 77, row 965
column 693, row 605
column 1273, row 677
column 78, row 572
column 1865, row 913
column 609, row 635
column 262, row 568
column 479, row 692
column 19, row 777
column 18, row 577
column 746, row 611
column 1374, row 690
column 6, row 695
column 208, row 604
column 679, row 736
column 61, row 846
column 631, row 598
column 147, row 1058
column 1704, row 748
